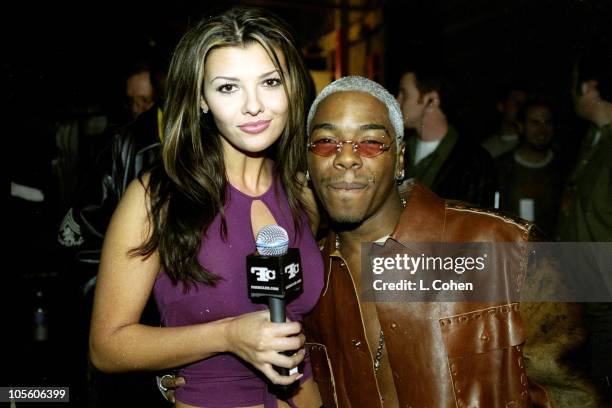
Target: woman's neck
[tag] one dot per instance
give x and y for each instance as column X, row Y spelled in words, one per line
column 251, row 174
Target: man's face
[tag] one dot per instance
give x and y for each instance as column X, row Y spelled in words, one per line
column 538, row 127
column 410, row 101
column 139, row 92
column 353, row 188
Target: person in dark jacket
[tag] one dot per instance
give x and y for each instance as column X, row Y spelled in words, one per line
column 132, row 148
column 586, row 206
column 451, row 166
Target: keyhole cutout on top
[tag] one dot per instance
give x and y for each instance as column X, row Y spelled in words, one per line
column 260, row 217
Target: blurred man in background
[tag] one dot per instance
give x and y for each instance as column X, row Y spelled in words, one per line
column 531, row 177
column 586, row 206
column 451, row 166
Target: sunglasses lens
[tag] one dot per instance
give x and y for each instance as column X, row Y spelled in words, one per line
column 369, row 149
column 324, row 148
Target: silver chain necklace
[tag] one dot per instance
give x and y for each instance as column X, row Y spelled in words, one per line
column 379, row 350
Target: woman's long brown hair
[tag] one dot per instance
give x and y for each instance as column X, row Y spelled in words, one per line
column 188, row 191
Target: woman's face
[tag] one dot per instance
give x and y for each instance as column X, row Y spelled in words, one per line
column 245, row 95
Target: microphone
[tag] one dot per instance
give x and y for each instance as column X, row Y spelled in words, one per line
column 275, row 273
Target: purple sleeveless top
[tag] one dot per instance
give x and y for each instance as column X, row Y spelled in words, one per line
column 224, row 380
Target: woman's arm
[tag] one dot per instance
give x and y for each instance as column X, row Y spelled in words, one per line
column 118, row 342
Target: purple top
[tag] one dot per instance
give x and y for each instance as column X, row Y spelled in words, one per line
column 224, row 380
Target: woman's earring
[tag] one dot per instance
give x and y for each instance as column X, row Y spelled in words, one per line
column 204, row 110
column 307, row 176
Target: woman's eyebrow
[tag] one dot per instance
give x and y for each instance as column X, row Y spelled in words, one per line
column 233, row 79
column 225, row 79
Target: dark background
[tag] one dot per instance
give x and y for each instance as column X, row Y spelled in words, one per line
column 483, row 46
column 60, row 54
column 59, row 58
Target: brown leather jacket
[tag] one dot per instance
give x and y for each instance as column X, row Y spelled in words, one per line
column 441, row 354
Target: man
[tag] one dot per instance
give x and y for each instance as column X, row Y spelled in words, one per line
column 418, row 354
column 531, row 177
column 507, row 138
column 586, row 211
column 586, row 208
column 132, row 149
column 436, row 156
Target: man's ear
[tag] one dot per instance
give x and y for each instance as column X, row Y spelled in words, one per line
column 432, row 99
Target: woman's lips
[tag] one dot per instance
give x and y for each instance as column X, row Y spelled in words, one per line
column 255, row 127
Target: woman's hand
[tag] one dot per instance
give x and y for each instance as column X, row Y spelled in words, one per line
column 258, row 341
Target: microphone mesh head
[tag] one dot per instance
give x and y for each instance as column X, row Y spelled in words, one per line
column 272, row 240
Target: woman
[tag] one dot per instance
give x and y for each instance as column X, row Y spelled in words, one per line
column 237, row 91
